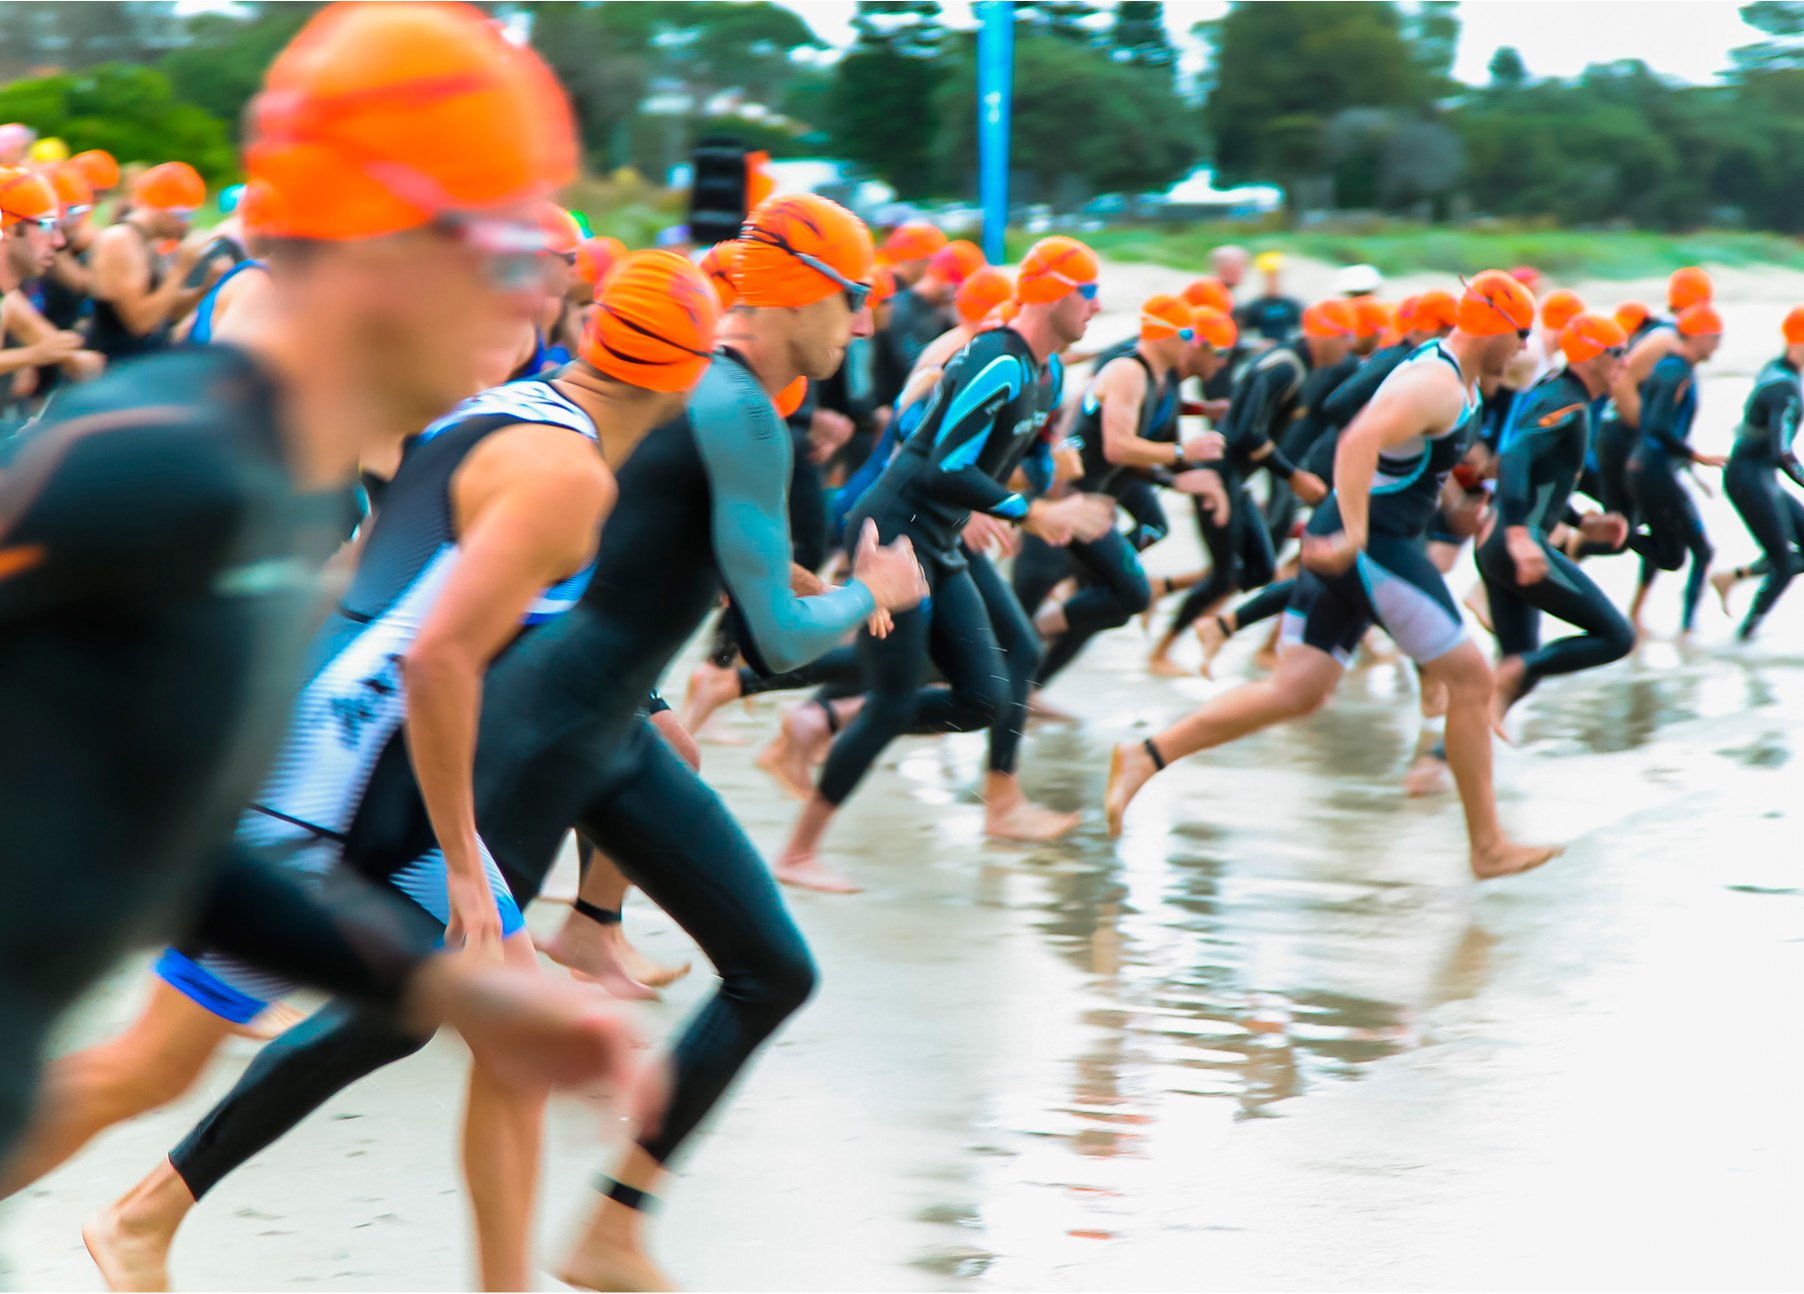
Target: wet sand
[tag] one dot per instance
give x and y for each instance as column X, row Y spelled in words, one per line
column 1274, row 1037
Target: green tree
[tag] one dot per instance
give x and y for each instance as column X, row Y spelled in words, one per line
column 221, row 64
column 1070, row 20
column 709, row 45
column 605, row 79
column 129, row 111
column 1783, row 22
column 35, row 34
column 1434, row 36
column 1507, row 68
column 882, row 109
column 1280, row 60
column 1080, row 122
column 1138, row 36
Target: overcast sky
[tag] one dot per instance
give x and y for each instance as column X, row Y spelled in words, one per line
column 1690, row 39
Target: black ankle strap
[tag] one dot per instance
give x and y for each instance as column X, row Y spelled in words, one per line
column 1152, row 753
column 832, row 719
column 630, row 1196
column 601, row 916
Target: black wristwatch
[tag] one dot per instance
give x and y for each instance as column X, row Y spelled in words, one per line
column 1178, row 462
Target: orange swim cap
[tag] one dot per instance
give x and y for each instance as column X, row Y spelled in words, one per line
column 1370, row 316
column 1054, row 267
column 1587, row 336
column 983, row 292
column 98, row 166
column 1700, row 321
column 1528, row 276
column 790, row 398
column 173, row 186
column 1559, row 308
column 71, row 186
column 1333, row 318
column 1793, row 327
column 1435, row 311
column 1495, row 303
column 759, row 182
column 883, row 284
column 1163, row 316
column 957, row 261
column 562, row 234
column 1631, row 315
column 24, row 196
column 915, row 241
column 596, row 256
column 1405, row 319
column 1211, row 292
column 259, row 210
column 717, row 264
column 1216, row 327
column 1688, row 287
column 654, row 322
column 382, row 115
column 782, row 237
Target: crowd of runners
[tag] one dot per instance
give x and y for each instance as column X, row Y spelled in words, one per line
column 344, row 546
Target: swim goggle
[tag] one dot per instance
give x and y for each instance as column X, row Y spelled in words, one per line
column 856, row 293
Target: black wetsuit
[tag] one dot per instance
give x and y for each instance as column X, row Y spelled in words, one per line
column 1271, row 317
column 1310, row 425
column 914, row 323
column 1613, row 442
column 1115, row 585
column 1536, row 474
column 1763, row 448
column 1669, row 402
column 983, row 419
column 107, row 332
column 564, row 743
column 1392, row 583
column 161, row 581
column 1266, row 400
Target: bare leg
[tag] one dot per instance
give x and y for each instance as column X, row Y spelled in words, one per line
column 1305, row 679
column 272, row 1021
column 503, row 1123
column 1510, row 674
column 710, row 687
column 1213, row 633
column 1469, row 689
column 1636, row 603
column 1008, row 814
column 610, row 1253
column 799, row 864
column 152, row 1063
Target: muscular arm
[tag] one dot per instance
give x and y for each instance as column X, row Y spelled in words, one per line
column 122, row 280
column 1647, row 353
column 527, row 503
column 1121, row 389
column 748, row 469
column 1419, row 402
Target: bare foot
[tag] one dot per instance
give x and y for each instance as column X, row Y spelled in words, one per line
column 710, row 687
column 605, row 1262
column 1130, row 768
column 1722, row 582
column 600, row 954
column 1050, row 622
column 790, row 757
column 1427, row 776
column 807, row 872
column 1506, row 688
column 1161, row 665
column 1212, row 633
column 1511, row 859
column 130, row 1257
column 1028, row 823
column 1038, row 707
column 271, row 1022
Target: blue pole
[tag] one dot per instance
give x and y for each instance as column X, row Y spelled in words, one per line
column 995, row 74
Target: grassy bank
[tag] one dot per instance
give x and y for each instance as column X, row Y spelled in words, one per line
column 1570, row 254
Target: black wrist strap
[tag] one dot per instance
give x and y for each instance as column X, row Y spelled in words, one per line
column 601, row 916
column 1153, row 754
